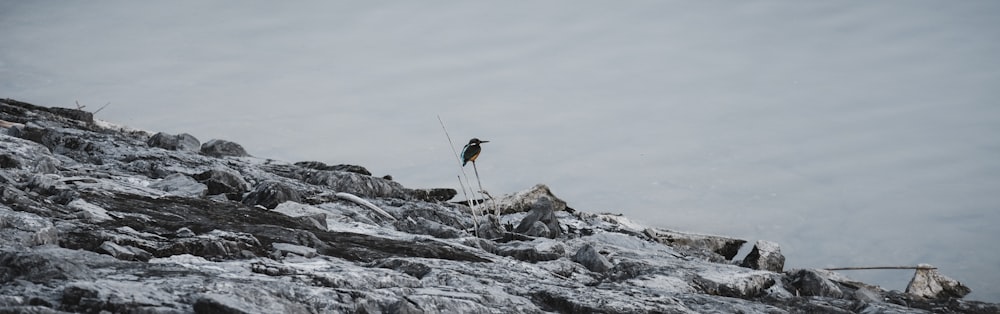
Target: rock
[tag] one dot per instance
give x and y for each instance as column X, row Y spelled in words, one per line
column 765, row 255
column 181, row 185
column 182, row 142
column 525, row 200
column 223, row 181
column 809, row 282
column 724, row 246
column 422, row 225
column 538, row 250
column 271, row 193
column 223, row 148
column 415, row 269
column 928, row 283
column 541, row 211
column 322, row 166
column 125, row 253
column 283, row 249
column 184, row 233
column 25, row 229
column 8, row 161
column 46, row 164
column 89, row 211
column 593, row 260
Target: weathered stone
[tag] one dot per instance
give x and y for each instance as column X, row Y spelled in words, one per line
column 765, row 255
column 415, row 269
column 183, row 142
column 223, row 181
column 223, row 148
column 181, row 185
column 541, row 211
column 271, row 193
column 422, row 225
column 322, row 166
column 540, row 249
column 809, row 282
column 589, row 257
column 724, row 246
column 125, row 253
column 928, row 283
column 284, row 249
column 525, row 200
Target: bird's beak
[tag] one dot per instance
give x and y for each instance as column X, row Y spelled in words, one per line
column 484, row 141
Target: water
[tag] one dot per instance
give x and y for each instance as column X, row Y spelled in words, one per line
column 852, row 133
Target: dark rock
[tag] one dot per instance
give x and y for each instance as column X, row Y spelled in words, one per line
column 724, row 246
column 223, row 181
column 809, row 282
column 589, row 257
column 432, row 195
column 415, row 269
column 80, row 115
column 8, row 161
column 126, row 253
column 271, row 193
column 183, row 142
column 541, row 211
column 539, row 250
column 765, row 255
column 422, row 225
column 322, row 166
column 223, row 148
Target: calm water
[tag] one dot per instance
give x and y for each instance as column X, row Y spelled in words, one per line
column 852, row 133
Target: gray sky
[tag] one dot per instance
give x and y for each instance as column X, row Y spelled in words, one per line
column 854, row 133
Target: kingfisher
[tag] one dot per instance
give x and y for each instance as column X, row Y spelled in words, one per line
column 471, row 151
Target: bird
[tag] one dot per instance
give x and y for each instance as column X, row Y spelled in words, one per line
column 471, row 151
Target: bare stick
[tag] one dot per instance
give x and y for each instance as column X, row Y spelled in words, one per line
column 363, row 202
column 102, row 108
column 879, row 267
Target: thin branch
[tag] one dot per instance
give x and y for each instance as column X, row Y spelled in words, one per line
column 102, row 107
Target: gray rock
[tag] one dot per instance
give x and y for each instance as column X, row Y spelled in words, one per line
column 322, row 166
column 726, row 247
column 589, row 257
column 182, row 142
column 223, row 148
column 422, row 225
column 538, row 250
column 125, row 253
column 765, row 255
column 928, row 283
column 181, row 185
column 541, row 211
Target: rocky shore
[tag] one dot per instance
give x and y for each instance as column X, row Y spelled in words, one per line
column 97, row 217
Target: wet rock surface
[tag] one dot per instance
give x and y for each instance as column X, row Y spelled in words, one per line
column 101, row 218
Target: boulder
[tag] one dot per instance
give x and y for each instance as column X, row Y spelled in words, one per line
column 766, row 255
column 183, row 142
column 223, row 148
column 223, row 181
column 421, row 225
column 811, row 282
column 928, row 283
column 271, row 193
column 322, row 166
column 589, row 257
column 180, row 184
column 537, row 250
column 525, row 200
column 541, row 211
column 724, row 246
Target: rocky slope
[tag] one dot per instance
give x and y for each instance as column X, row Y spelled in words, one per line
column 97, row 217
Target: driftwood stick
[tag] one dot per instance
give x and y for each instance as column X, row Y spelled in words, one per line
column 879, row 267
column 363, row 202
